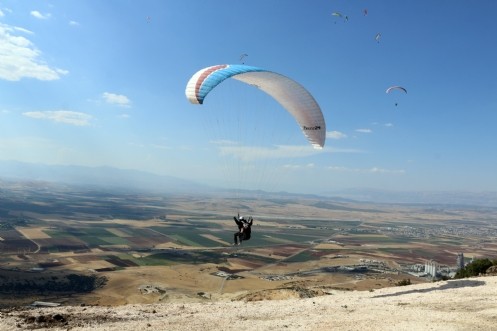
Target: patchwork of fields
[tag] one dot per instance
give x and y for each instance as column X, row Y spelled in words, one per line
column 120, row 236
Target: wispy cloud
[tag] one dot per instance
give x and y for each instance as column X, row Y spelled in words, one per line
column 73, row 23
column 373, row 170
column 364, row 130
column 116, row 99
column 39, row 15
column 19, row 58
column 62, row 116
column 250, row 153
column 5, row 10
column 388, row 125
column 23, row 30
column 335, row 135
column 223, row 142
column 299, row 166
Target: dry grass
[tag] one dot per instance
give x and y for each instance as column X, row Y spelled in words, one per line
column 469, row 304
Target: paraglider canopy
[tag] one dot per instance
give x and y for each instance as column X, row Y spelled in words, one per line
column 392, row 88
column 242, row 57
column 396, row 88
column 291, row 95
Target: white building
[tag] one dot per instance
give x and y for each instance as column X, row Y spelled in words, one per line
column 431, row 268
column 460, row 261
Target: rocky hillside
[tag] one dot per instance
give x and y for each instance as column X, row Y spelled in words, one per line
column 466, row 304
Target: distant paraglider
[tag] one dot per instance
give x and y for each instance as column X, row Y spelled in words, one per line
column 365, row 11
column 340, row 15
column 242, row 57
column 377, row 37
column 394, row 88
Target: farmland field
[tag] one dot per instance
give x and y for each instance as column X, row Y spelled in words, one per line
column 180, row 243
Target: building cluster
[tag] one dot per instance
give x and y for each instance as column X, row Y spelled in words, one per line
column 273, row 278
column 431, row 268
column 434, row 270
column 437, row 231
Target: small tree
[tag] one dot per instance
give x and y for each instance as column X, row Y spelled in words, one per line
column 404, row 282
column 478, row 266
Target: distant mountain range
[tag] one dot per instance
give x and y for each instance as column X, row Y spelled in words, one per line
column 99, row 177
column 460, row 198
column 109, row 178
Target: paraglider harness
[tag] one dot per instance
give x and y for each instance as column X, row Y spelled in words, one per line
column 244, row 228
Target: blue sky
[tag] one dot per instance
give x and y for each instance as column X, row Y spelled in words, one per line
column 101, row 83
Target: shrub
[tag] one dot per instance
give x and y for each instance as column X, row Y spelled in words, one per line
column 404, row 282
column 478, row 266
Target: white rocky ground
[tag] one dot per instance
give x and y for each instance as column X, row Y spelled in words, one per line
column 469, row 304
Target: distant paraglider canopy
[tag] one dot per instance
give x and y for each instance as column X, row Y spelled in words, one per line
column 291, row 95
column 340, row 15
column 392, row 88
column 377, row 37
column 396, row 88
column 242, row 57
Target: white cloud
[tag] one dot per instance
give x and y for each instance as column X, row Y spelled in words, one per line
column 23, row 30
column 5, row 10
column 39, row 15
column 250, row 153
column 335, row 135
column 116, row 99
column 388, row 125
column 364, row 130
column 299, row 166
column 373, row 170
column 73, row 23
column 19, row 58
column 62, row 116
column 386, row 171
column 223, row 142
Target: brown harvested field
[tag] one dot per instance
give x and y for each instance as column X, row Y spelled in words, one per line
column 135, row 223
column 88, row 265
column 216, row 239
column 179, row 281
column 118, row 232
column 33, row 233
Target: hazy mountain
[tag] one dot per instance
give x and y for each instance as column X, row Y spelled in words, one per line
column 134, row 180
column 488, row 199
column 100, row 177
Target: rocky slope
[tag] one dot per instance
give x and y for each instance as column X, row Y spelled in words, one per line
column 468, row 304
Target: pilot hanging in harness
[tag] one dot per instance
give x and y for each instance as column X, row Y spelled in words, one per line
column 244, row 229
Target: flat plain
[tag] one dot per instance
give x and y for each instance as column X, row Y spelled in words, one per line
column 177, row 248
